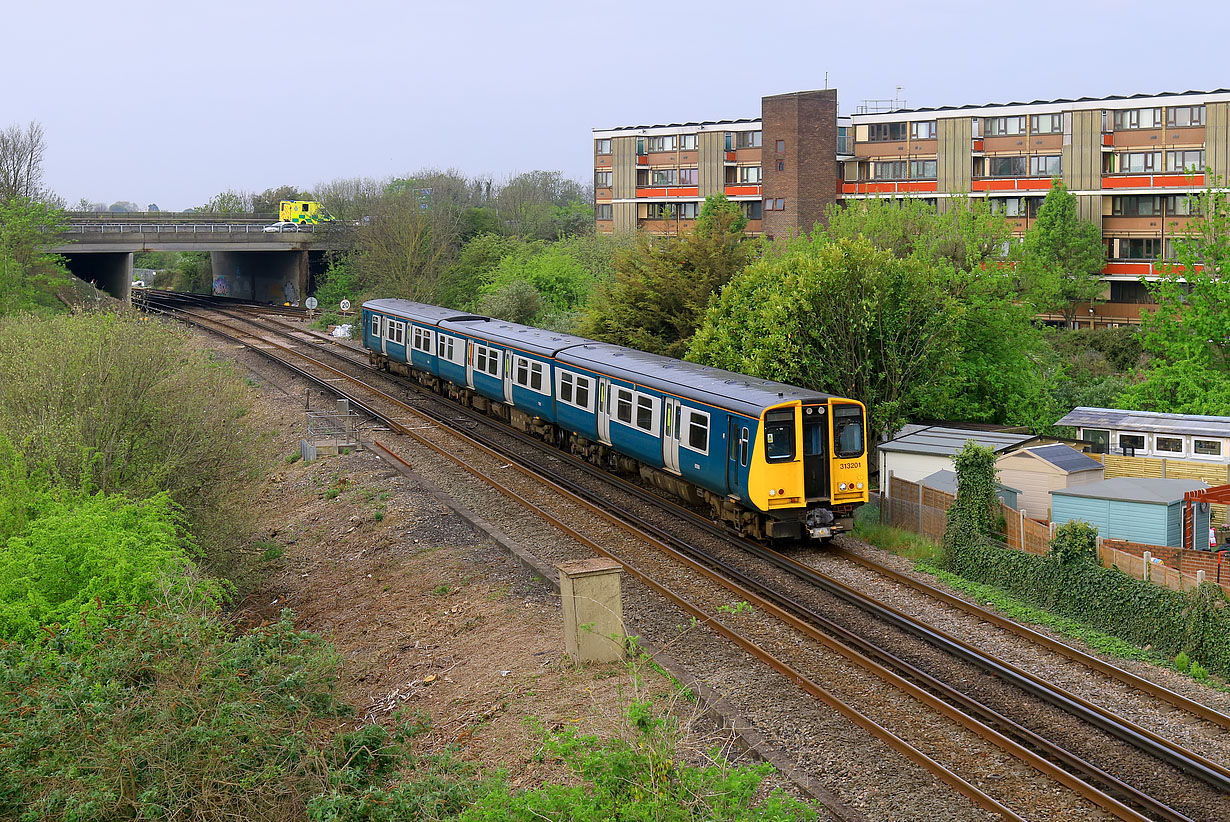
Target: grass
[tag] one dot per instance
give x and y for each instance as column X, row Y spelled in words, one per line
column 270, row 550
column 904, row 543
column 441, row 590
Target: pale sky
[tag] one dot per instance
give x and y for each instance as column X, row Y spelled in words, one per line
column 172, row 102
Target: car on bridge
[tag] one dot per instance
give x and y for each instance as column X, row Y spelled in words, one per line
column 283, row 225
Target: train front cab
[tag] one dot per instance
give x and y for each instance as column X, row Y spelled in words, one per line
column 808, row 470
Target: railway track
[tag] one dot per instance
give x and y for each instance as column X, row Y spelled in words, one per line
column 1092, row 782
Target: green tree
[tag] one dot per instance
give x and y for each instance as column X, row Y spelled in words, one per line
column 229, row 202
column 1188, row 335
column 974, row 514
column 267, row 201
column 1062, row 256
column 29, row 274
column 662, row 285
column 840, row 316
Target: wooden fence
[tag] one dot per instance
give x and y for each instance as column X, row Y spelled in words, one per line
column 1208, row 473
column 915, row 507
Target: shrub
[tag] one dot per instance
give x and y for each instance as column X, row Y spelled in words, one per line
column 1075, row 541
column 1182, row 662
column 1199, row 672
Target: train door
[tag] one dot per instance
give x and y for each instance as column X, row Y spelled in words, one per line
column 670, row 434
column 470, row 364
column 508, row 375
column 377, row 332
column 738, row 452
column 815, row 461
column 604, row 410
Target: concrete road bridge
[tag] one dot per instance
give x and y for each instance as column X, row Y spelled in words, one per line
column 248, row 262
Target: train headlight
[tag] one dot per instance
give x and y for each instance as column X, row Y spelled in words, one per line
column 842, row 487
column 859, row 486
column 772, row 492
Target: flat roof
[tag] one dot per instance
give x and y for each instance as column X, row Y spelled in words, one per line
column 1112, row 101
column 945, row 442
column 1149, row 421
column 1134, row 489
column 946, row 481
column 742, row 124
column 1065, row 458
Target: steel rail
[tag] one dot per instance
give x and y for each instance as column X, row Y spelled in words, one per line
column 1075, row 654
column 1041, row 764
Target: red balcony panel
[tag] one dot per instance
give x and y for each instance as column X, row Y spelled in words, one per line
column 1134, row 269
column 1036, row 184
column 693, row 191
column 920, row 185
column 735, row 191
column 651, row 192
column 1178, row 180
column 730, row 156
column 642, row 160
column 1108, row 139
column 1126, row 182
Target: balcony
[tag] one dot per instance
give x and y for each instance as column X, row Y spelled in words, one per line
column 1149, row 181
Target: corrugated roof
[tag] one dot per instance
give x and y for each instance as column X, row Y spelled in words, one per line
column 740, row 121
column 1065, row 458
column 1133, row 489
column 1150, row 421
column 948, row 441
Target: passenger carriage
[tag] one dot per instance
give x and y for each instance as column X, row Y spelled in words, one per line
column 772, row 460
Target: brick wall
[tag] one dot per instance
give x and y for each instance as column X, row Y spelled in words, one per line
column 806, row 123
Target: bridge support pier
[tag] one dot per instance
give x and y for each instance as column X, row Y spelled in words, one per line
column 264, row 276
column 110, row 271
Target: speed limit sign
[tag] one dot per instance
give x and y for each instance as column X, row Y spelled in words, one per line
column 345, row 305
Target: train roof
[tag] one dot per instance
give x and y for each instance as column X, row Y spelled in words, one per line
column 538, row 341
column 715, row 386
column 421, row 312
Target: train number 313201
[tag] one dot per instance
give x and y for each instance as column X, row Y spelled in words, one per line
column 845, row 465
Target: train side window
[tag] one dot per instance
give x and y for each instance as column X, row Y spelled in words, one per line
column 848, row 430
column 647, row 413
column 565, row 387
column 623, row 405
column 743, row 440
column 779, row 435
column 698, row 431
column 583, row 389
column 536, row 376
column 523, row 371
column 375, row 325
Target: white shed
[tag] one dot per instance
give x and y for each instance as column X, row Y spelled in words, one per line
column 921, row 452
column 1041, row 469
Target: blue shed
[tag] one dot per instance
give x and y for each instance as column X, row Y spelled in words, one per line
column 1137, row 509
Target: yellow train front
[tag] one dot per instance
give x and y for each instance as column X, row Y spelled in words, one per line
column 808, row 469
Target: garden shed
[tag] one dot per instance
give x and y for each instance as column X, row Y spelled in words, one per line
column 1040, row 469
column 946, row 481
column 1136, row 509
column 919, row 453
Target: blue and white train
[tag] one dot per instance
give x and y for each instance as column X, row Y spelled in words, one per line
column 773, row 461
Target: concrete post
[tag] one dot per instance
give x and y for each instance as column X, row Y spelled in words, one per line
column 1098, row 549
column 593, row 610
column 1199, row 578
column 1148, row 558
column 1021, row 528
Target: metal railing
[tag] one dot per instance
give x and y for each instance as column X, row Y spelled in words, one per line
column 177, row 228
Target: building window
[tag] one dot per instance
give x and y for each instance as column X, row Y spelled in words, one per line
column 1169, row 445
column 1206, row 448
column 843, row 140
column 781, row 165
column 922, row 169
column 886, row 132
column 688, row 176
column 689, row 211
column 1135, row 248
column 657, row 211
column 687, row 142
column 602, row 179
column 891, row 170
column 1132, row 441
column 1185, row 160
column 640, row 146
column 1008, row 206
column 1007, row 166
column 747, row 139
column 1045, row 166
column 1179, row 116
column 602, row 146
column 1046, row 123
column 1003, row 126
column 1137, row 162
column 1138, row 118
column 662, row 143
column 1144, row 205
column 749, row 174
column 777, row 204
column 642, row 177
column 781, row 146
column 922, row 131
column 603, row 211
column 1180, row 205
column 1099, row 438
column 664, row 176
column 753, row 209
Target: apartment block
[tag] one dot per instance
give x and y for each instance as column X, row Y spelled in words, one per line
column 1132, row 162
column 781, row 168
